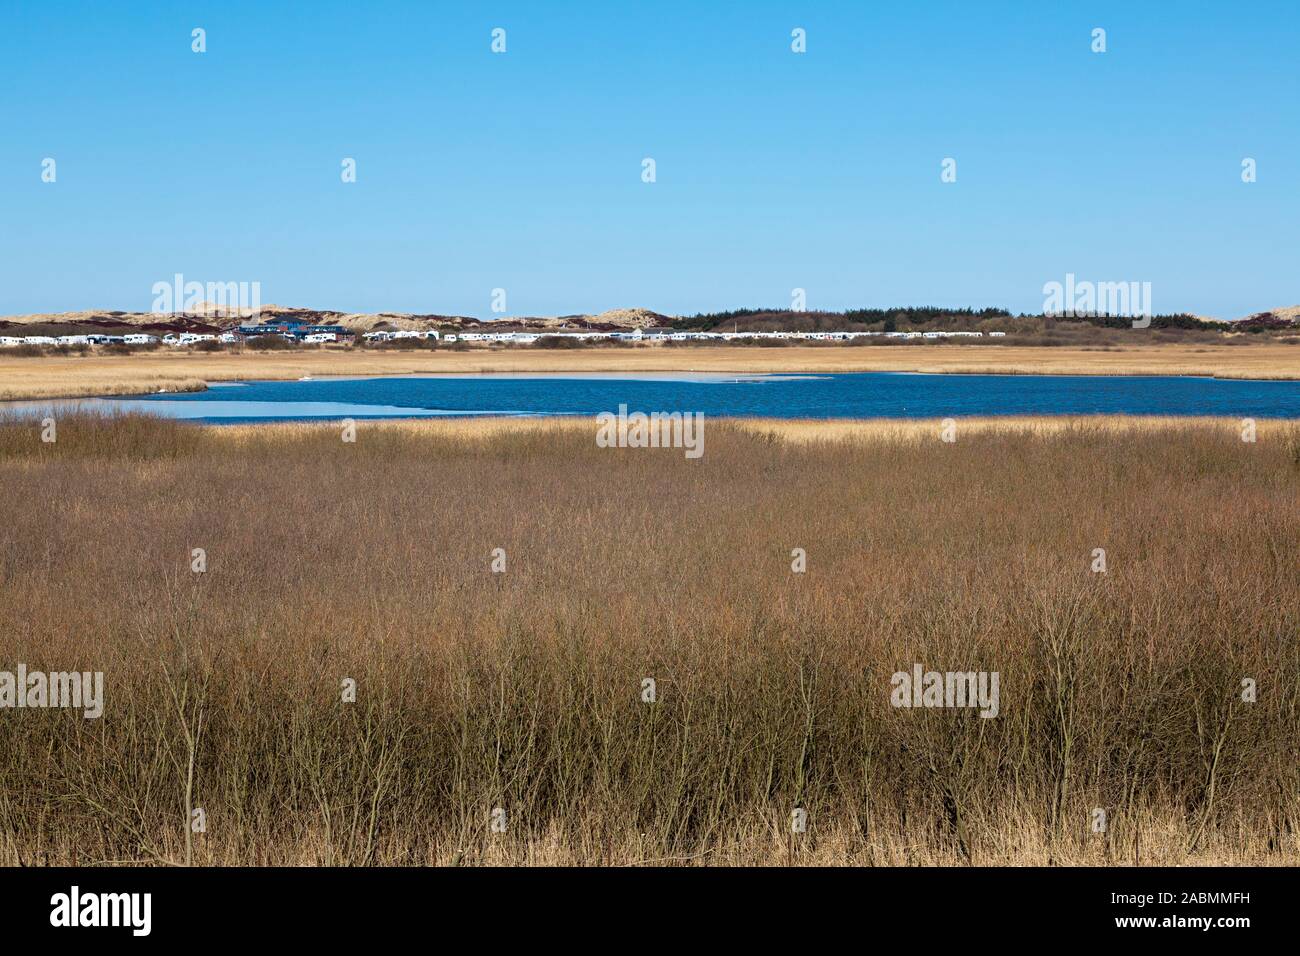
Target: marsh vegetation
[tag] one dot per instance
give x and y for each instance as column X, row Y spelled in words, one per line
column 523, row 690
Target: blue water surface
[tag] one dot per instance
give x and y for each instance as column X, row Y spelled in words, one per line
column 849, row 395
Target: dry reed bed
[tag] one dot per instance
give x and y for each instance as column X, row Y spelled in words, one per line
column 522, row 690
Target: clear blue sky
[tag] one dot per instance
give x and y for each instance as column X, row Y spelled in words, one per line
column 775, row 170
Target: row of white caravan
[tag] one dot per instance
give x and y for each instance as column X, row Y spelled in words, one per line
column 522, row 338
column 9, row 341
column 133, row 338
column 657, row 335
column 406, row 334
column 516, row 338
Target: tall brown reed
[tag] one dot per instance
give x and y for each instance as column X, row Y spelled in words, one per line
column 523, row 690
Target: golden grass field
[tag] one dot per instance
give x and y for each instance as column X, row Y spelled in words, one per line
column 99, row 374
column 522, row 690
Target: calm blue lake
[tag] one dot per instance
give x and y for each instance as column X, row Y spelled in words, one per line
column 854, row 395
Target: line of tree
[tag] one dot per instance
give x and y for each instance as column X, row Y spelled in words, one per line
column 934, row 317
column 892, row 318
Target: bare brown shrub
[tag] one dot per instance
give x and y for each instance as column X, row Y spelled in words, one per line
column 522, row 690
